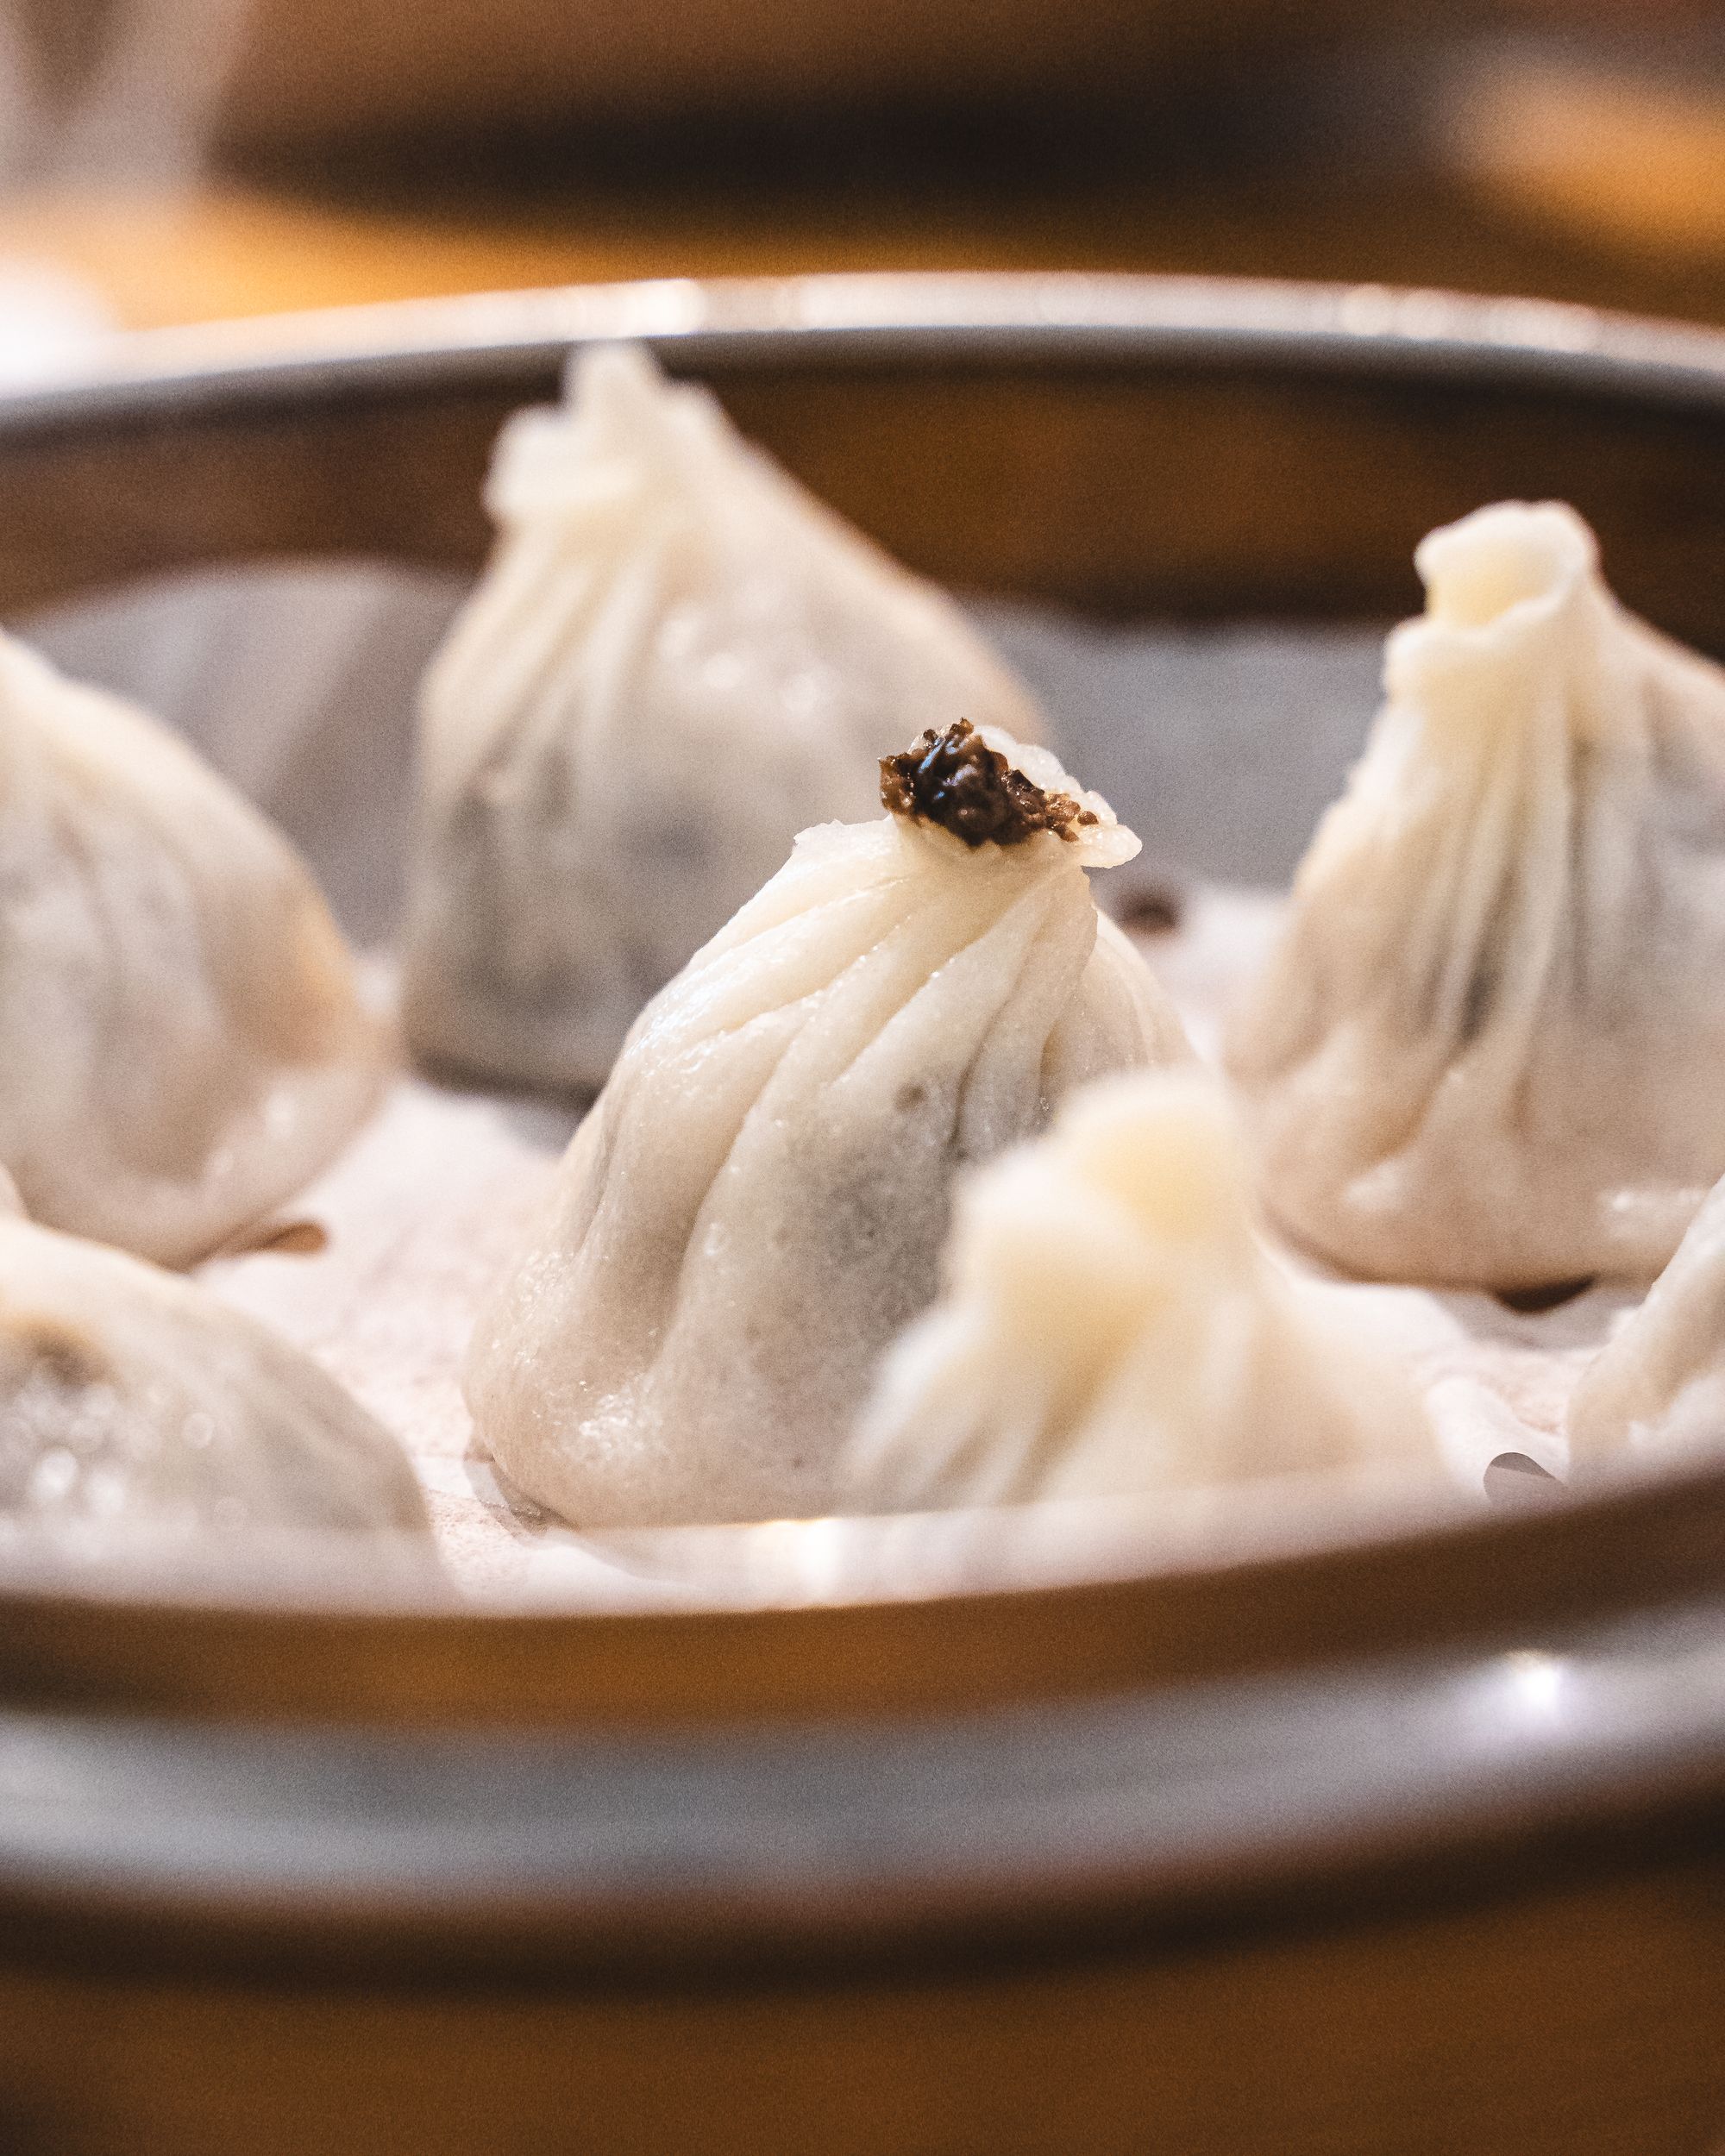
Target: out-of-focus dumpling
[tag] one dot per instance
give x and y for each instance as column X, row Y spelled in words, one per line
column 677, row 659
column 1658, row 1386
column 1488, row 1050
column 131, row 1398
column 1111, row 1325
column 758, row 1201
column 181, row 1046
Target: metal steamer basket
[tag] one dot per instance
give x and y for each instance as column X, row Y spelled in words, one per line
column 1051, row 1830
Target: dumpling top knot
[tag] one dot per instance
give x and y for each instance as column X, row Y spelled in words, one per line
column 955, row 779
column 984, row 788
column 621, row 385
column 621, row 426
column 1130, row 1207
column 1112, row 1324
column 1164, row 1153
column 1512, row 596
column 1512, row 554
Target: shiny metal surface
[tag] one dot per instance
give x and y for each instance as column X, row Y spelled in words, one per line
column 1054, row 318
column 1003, row 1821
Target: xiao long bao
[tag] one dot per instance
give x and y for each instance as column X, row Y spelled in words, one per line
column 183, row 1043
column 1111, row 1325
column 757, row 1203
column 1488, row 1052
column 130, row 1399
column 677, row 659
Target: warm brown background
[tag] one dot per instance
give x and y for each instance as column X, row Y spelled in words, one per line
column 364, row 152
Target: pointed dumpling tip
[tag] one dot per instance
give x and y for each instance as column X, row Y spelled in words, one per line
column 1111, row 1325
column 621, row 424
column 1477, row 569
column 613, row 380
column 1164, row 1144
column 1137, row 1175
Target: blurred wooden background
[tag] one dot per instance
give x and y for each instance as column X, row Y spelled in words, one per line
column 191, row 158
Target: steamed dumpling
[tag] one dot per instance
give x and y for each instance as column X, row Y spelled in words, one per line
column 130, row 1397
column 677, row 659
column 182, row 1043
column 1659, row 1386
column 1111, row 1325
column 1488, row 1052
column 757, row 1203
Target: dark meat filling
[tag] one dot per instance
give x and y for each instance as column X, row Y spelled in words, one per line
column 957, row 780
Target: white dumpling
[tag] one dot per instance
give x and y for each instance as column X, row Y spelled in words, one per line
column 677, row 659
column 1658, row 1387
column 1488, row 1050
column 757, row 1203
column 1111, row 1325
column 131, row 1399
column 181, row 1046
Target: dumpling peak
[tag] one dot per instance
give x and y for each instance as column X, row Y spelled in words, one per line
column 622, row 394
column 984, row 788
column 1110, row 1324
column 1477, row 569
column 1163, row 1144
column 1513, row 598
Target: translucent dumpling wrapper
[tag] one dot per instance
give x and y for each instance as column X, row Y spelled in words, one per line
column 132, row 1400
column 183, row 1043
column 677, row 659
column 1658, row 1386
column 757, row 1203
column 1488, row 1052
column 1111, row 1325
